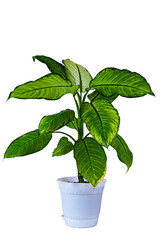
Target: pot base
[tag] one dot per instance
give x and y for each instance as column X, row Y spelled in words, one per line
column 80, row 223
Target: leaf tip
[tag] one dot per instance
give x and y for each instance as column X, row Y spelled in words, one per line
column 5, row 156
column 152, row 93
column 9, row 97
column 34, row 58
column 128, row 167
column 94, row 183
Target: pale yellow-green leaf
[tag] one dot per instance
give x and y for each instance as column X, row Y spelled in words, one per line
column 77, row 74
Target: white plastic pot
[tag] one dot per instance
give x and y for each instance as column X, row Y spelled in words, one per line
column 80, row 202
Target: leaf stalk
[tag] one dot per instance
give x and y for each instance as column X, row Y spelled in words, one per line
column 66, row 135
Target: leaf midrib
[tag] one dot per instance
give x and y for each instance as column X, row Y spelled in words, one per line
column 88, row 157
column 123, row 146
column 97, row 115
column 36, row 89
column 119, row 85
column 26, row 143
column 80, row 79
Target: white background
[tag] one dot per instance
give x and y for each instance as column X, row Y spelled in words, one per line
column 95, row 34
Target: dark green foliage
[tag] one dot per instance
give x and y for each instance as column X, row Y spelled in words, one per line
column 64, row 146
column 56, row 121
column 54, row 66
column 91, row 160
column 100, row 116
column 28, row 143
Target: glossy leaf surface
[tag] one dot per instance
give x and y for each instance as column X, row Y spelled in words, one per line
column 123, row 151
column 122, row 82
column 101, row 119
column 64, row 146
column 56, row 121
column 28, row 143
column 49, row 87
column 73, row 124
column 54, row 66
column 77, row 74
column 91, row 160
column 96, row 95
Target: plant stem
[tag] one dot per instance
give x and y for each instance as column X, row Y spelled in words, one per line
column 84, row 97
column 80, row 178
column 80, row 122
column 66, row 135
column 76, row 104
column 79, row 99
column 80, row 126
column 78, row 112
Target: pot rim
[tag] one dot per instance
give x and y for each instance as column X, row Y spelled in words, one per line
column 73, row 181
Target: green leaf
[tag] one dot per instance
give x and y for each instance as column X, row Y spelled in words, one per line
column 56, row 121
column 91, row 160
column 49, row 87
column 77, row 74
column 54, row 66
column 72, row 124
column 96, row 95
column 123, row 82
column 64, row 146
column 123, row 151
column 28, row 143
column 101, row 119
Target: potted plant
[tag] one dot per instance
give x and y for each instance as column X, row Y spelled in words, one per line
column 81, row 195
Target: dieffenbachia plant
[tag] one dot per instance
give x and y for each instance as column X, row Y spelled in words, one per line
column 97, row 112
